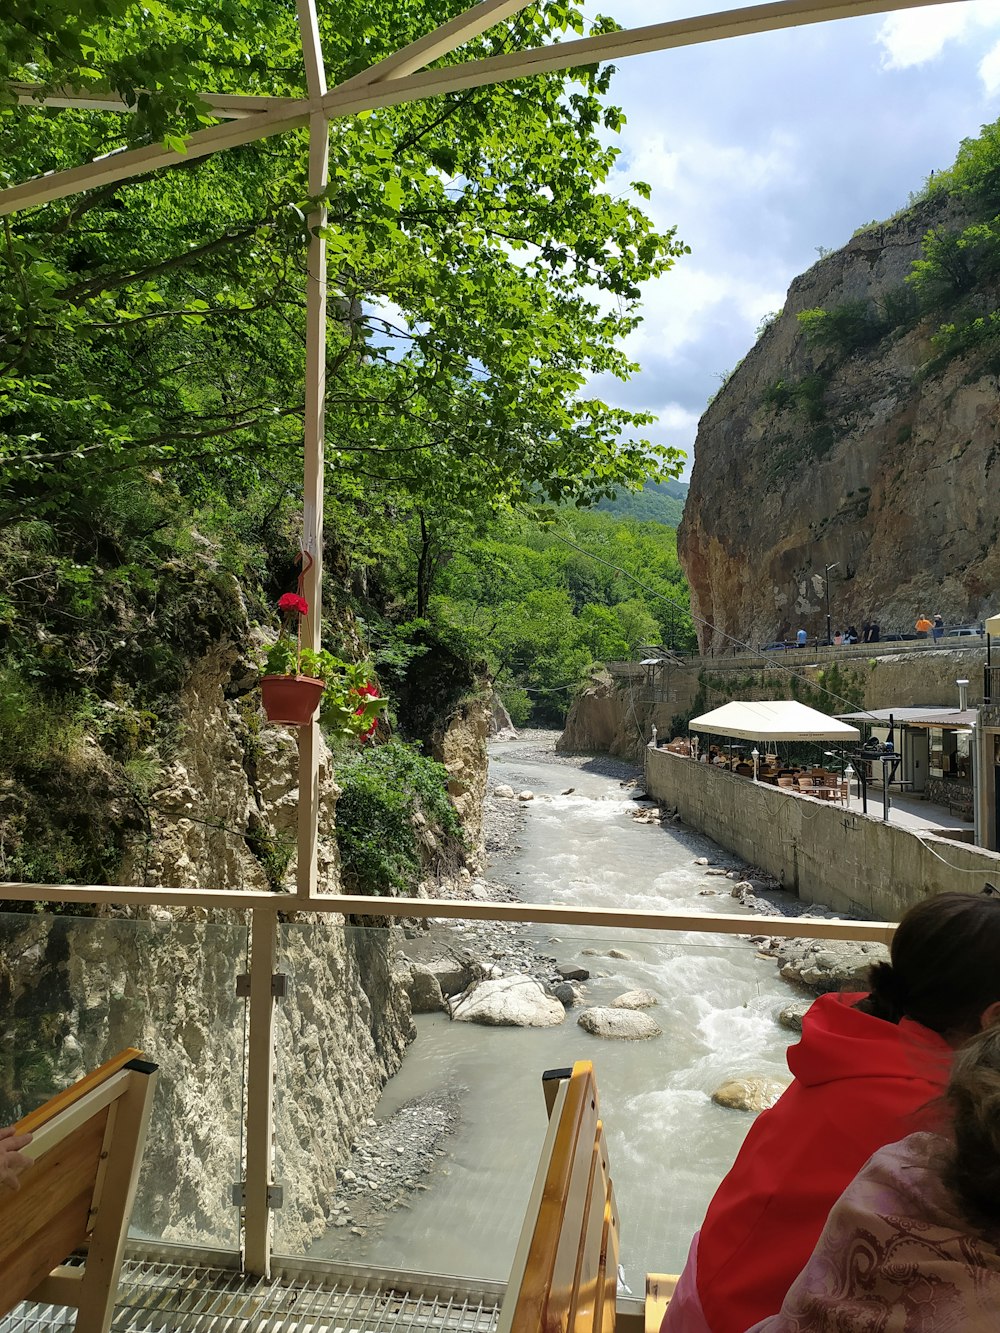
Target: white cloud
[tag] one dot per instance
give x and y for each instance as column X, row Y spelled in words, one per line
column 916, row 36
column 989, row 71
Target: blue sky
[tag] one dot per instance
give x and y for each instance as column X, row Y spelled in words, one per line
column 763, row 148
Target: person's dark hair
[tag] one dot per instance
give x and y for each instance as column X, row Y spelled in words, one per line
column 972, row 1171
column 945, row 967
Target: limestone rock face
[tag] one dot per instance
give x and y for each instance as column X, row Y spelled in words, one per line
column 223, row 816
column 619, row 1024
column 462, row 750
column 509, row 1002
column 751, row 1093
column 889, row 473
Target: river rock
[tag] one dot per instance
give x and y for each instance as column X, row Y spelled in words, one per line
column 792, row 1015
column 700, row 861
column 750, row 1093
column 425, row 992
column 635, row 999
column 620, row 1024
column 620, row 953
column 569, row 972
column 517, row 1002
column 453, row 975
column 741, row 889
column 504, row 792
column 830, row 965
column 566, row 994
column 525, row 795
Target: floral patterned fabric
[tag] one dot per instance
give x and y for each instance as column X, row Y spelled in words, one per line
column 896, row 1257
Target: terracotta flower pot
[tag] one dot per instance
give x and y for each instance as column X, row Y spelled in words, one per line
column 291, row 700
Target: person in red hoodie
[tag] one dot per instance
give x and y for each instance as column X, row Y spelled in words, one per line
column 870, row 1069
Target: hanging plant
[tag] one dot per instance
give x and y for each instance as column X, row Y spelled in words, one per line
column 297, row 680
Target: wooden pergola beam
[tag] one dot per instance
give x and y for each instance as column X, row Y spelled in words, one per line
column 346, row 100
column 132, row 163
column 227, row 106
column 367, row 92
column 473, row 23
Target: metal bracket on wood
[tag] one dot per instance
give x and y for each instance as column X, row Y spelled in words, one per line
column 275, row 1195
column 279, row 985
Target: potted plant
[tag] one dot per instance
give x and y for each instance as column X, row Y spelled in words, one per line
column 289, row 696
column 297, row 680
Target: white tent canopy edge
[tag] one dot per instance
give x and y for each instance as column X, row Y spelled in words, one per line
column 773, row 720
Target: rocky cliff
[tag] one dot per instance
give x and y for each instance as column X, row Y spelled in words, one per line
column 222, row 814
column 860, row 447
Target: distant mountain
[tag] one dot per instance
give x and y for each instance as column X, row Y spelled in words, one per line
column 657, row 502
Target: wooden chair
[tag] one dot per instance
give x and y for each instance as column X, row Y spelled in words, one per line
column 78, row 1193
column 565, row 1271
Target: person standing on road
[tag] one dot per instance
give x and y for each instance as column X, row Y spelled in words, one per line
column 938, row 628
column 922, row 625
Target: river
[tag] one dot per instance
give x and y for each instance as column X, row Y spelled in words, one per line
column 668, row 1143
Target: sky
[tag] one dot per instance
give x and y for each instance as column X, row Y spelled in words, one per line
column 765, row 150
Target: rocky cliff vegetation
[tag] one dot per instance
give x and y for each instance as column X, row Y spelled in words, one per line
column 154, row 766
column 861, row 432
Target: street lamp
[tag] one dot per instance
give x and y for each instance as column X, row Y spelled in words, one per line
column 829, row 633
column 848, row 774
column 755, row 756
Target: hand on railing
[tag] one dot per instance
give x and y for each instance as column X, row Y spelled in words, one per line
column 12, row 1159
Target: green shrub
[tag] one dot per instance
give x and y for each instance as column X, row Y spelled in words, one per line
column 386, row 792
column 844, row 329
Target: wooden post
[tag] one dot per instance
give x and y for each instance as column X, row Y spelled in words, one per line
column 260, row 1096
column 312, row 489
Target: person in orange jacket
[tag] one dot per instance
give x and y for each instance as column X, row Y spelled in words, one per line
column 923, row 626
column 868, row 1071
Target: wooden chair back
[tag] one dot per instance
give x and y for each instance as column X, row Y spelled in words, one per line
column 78, row 1192
column 565, row 1272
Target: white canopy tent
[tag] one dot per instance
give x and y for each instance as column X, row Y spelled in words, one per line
column 993, row 625
column 773, row 720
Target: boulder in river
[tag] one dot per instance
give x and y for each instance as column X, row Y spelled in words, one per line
column 566, row 994
column 569, row 972
column 792, row 1015
column 620, row 953
column 425, row 992
column 503, row 791
column 513, row 1002
column 619, row 1024
column 752, row 1092
column 830, row 965
column 525, row 795
column 635, row 999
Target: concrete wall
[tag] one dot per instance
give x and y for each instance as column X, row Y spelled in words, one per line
column 848, row 861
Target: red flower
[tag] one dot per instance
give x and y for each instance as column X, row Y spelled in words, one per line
column 366, row 691
column 291, row 601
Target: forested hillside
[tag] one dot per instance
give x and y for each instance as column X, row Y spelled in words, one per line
column 657, row 502
column 152, row 393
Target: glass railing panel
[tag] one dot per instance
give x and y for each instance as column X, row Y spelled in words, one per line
column 77, row 990
column 432, row 1172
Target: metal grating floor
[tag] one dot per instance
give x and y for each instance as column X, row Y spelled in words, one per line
column 183, row 1298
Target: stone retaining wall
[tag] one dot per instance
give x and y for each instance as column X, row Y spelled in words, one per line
column 842, row 859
